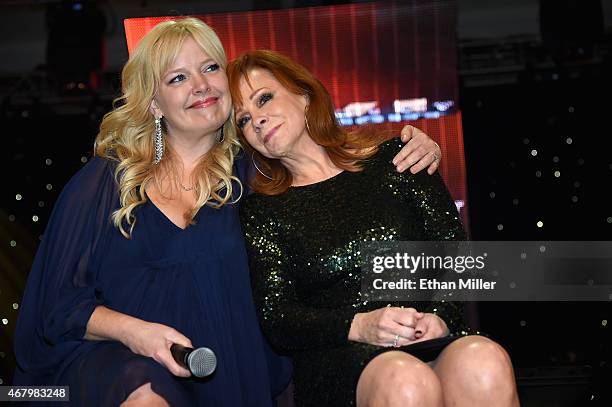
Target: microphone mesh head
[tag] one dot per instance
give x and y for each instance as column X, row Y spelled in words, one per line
column 202, row 362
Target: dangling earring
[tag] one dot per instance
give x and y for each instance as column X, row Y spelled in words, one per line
column 220, row 136
column 159, row 141
column 256, row 167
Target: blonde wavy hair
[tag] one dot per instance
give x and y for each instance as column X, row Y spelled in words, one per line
column 127, row 132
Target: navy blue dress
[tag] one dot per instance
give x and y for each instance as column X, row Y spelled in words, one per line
column 195, row 280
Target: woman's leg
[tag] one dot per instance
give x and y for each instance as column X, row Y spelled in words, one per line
column 398, row 379
column 475, row 371
column 144, row 396
column 110, row 374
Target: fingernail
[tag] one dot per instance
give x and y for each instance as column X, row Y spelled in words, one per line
column 418, row 332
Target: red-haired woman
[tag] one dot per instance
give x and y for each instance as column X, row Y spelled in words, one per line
column 320, row 192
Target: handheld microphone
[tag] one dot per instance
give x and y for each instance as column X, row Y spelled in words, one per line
column 201, row 362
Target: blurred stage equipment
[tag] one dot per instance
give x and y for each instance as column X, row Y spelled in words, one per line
column 571, row 28
column 75, row 44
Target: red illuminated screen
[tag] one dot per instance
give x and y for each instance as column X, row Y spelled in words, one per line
column 384, row 63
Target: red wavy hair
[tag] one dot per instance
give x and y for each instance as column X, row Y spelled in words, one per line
column 345, row 149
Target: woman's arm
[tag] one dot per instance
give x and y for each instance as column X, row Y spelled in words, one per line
column 144, row 338
column 291, row 324
column 429, row 198
column 288, row 323
column 63, row 303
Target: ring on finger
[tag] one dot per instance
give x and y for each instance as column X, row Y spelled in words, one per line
column 395, row 340
column 436, row 157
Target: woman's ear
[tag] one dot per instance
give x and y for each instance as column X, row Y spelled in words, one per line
column 307, row 99
column 155, row 110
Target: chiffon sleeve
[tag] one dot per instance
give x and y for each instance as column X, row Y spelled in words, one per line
column 63, row 287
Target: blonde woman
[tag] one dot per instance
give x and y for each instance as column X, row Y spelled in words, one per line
column 144, row 247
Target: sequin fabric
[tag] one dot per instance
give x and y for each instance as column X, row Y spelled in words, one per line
column 304, row 250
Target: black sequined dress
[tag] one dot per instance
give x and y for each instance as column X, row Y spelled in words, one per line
column 305, row 263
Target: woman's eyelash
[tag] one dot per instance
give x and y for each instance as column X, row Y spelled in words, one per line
column 242, row 122
column 213, row 67
column 264, row 98
column 209, row 68
column 175, row 79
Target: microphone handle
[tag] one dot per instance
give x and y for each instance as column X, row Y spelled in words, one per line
column 180, row 354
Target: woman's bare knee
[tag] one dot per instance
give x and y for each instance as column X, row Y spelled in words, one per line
column 398, row 379
column 144, row 396
column 478, row 369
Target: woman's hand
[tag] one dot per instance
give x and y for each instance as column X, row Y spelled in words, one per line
column 420, row 152
column 390, row 326
column 430, row 326
column 154, row 340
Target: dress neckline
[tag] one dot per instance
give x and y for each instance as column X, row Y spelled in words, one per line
column 166, row 218
column 323, row 181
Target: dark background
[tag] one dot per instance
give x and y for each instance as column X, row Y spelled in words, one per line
column 534, row 89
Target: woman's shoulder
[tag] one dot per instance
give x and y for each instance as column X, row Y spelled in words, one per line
column 382, row 158
column 259, row 208
column 255, row 202
column 389, row 148
column 88, row 198
column 96, row 168
column 243, row 167
column 98, row 164
column 97, row 176
column 382, row 164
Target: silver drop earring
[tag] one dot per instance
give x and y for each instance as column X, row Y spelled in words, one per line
column 220, row 136
column 159, row 142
